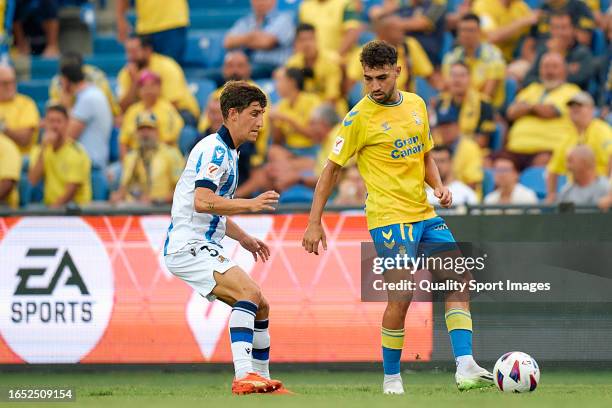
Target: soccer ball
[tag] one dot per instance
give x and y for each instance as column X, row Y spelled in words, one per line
column 516, row 372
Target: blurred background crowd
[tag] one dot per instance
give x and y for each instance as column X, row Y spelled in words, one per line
column 101, row 101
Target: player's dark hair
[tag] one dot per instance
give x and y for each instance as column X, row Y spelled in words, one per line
column 71, row 57
column 471, row 17
column 58, row 108
column 239, row 95
column 297, row 76
column 303, row 27
column 443, row 148
column 378, row 54
column 72, row 71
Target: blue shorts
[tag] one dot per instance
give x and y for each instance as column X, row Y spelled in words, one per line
column 426, row 237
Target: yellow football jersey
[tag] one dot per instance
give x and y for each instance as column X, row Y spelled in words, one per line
column 21, row 113
column 66, row 165
column 390, row 142
column 160, row 15
column 10, row 169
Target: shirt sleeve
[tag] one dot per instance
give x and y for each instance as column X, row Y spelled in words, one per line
column 349, row 139
column 211, row 166
column 282, row 28
column 84, row 110
column 29, row 117
column 128, row 128
column 428, row 142
column 128, row 168
column 421, row 65
column 10, row 162
column 123, row 82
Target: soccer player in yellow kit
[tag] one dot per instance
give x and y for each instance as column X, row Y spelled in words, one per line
column 388, row 130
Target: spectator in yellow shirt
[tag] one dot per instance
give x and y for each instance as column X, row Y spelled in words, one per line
column 150, row 172
column 93, row 75
column 486, row 63
column 411, row 56
column 505, row 22
column 322, row 70
column 476, row 115
column 140, row 56
column 62, row 162
column 19, row 118
column 466, row 156
column 164, row 21
column 290, row 116
column 337, row 23
column 169, row 122
column 539, row 113
column 10, row 172
column 589, row 131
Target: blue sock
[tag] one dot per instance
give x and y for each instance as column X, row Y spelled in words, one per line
column 392, row 344
column 461, row 341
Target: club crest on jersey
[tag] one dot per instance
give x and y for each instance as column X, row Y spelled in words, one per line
column 338, row 145
column 417, row 118
column 386, row 127
column 211, row 170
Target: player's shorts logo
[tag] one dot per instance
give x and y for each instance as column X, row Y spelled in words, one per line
column 57, row 285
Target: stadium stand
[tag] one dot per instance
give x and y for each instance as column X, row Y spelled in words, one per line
column 204, row 54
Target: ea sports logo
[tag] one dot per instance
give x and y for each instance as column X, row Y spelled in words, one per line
column 56, row 289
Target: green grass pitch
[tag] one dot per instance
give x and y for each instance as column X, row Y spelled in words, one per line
column 315, row 388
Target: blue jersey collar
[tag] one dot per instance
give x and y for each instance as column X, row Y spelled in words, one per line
column 224, row 133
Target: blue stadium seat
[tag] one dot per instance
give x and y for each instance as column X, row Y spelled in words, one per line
column 511, row 90
column 424, row 89
column 204, row 4
column 107, row 44
column 604, row 5
column 296, row 194
column 366, row 36
column 534, row 4
column 355, row 94
column 497, row 139
column 488, row 182
column 37, row 89
column 598, row 43
column 535, row 179
column 114, row 145
column 205, row 49
column 111, row 64
column 288, row 5
column 216, row 18
column 201, row 89
column 447, row 44
column 267, row 85
column 43, row 68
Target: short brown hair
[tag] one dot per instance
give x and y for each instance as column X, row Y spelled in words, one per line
column 377, row 54
column 239, row 95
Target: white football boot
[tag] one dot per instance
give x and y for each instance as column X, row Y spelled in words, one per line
column 393, row 384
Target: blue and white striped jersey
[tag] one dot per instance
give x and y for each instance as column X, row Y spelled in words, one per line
column 213, row 164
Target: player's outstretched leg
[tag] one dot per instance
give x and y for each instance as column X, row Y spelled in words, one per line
column 469, row 375
column 237, row 289
column 392, row 336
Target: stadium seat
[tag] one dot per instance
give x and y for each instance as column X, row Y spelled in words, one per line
column 497, row 138
column 288, row 5
column 488, row 182
column 267, row 85
column 425, row 90
column 296, row 194
column 110, row 64
column 201, row 89
column 205, row 49
column 43, row 68
column 107, row 44
column 535, row 178
column 355, row 94
column 598, row 43
column 37, row 89
column 511, row 90
column 216, row 18
column 534, row 4
column 366, row 36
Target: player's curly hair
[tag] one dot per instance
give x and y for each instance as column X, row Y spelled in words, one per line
column 239, row 95
column 377, row 54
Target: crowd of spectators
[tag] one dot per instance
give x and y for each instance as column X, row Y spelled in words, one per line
column 519, row 100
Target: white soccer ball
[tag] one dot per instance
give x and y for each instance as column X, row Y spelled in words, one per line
column 516, row 372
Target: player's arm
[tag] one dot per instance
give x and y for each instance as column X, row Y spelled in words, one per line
column 314, row 232
column 432, row 177
column 248, row 242
column 206, row 201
